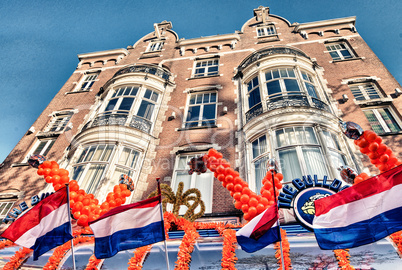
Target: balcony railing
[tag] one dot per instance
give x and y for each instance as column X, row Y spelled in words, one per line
column 120, row 119
column 148, row 69
column 289, row 100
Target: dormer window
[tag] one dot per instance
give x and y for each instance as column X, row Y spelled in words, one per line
column 155, row 46
column 266, row 31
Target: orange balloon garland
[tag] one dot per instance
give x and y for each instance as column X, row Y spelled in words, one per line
column 93, row 263
column 137, row 261
column 17, row 259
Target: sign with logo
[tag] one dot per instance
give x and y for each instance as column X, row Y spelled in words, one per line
column 304, row 192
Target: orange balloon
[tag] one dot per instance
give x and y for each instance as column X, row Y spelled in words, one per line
column 86, row 210
column 82, row 192
column 229, row 178
column 78, row 206
column 105, row 205
column 49, row 179
column 116, row 188
column 123, row 187
column 118, row 201
column 117, row 195
column 237, row 196
column 244, row 208
column 238, row 205
column 46, row 171
column 83, row 220
column 54, row 171
column 63, row 172
column 221, row 177
column 126, row 193
column 64, row 179
column 112, row 203
column 229, row 186
column 40, row 171
column 57, row 187
column 47, row 164
column 252, row 211
column 86, row 201
column 253, row 202
column 260, row 208
column 244, row 198
column 73, row 195
column 77, row 214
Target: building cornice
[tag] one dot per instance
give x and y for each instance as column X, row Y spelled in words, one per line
column 311, row 25
column 102, row 53
column 210, row 39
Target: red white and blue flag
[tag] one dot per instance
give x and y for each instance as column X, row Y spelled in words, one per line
column 128, row 227
column 43, row 227
column 260, row 231
column 362, row 214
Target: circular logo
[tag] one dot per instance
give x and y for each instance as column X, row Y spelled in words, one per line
column 303, row 204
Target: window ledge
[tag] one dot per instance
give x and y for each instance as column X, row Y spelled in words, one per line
column 345, row 60
column 265, row 39
column 150, row 54
column 19, row 164
column 48, row 134
column 76, row 92
column 208, row 76
column 373, row 102
column 390, row 134
column 191, row 128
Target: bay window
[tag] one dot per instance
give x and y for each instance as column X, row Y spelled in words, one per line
column 281, row 80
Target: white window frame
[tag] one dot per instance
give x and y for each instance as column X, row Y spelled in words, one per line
column 139, row 98
column 382, row 121
column 193, row 179
column 298, row 147
column 364, row 91
column 284, row 90
column 4, row 210
column 44, row 151
column 261, row 158
column 206, row 64
column 202, row 105
column 155, row 46
column 334, row 148
column 266, row 31
column 89, row 185
column 337, row 49
column 59, row 121
column 88, row 81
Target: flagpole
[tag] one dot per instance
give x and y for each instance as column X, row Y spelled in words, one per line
column 273, row 166
column 69, row 220
column 163, row 223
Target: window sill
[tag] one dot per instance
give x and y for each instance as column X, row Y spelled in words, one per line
column 48, row 134
column 345, row 60
column 265, row 39
column 77, row 92
column 373, row 102
column 390, row 134
column 19, row 164
column 201, row 77
column 150, row 54
column 191, row 128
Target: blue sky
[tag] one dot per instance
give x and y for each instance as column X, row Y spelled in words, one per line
column 40, row 40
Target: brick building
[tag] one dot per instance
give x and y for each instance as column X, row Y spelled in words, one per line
column 273, row 89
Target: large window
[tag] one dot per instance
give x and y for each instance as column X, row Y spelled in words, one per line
column 309, row 84
column 59, row 121
column 135, row 100
column 43, row 147
column 266, row 31
column 383, row 120
column 299, row 153
column 339, row 51
column 91, row 165
column 201, row 110
column 203, row 182
column 260, row 158
column 365, row 91
column 206, row 68
column 88, row 81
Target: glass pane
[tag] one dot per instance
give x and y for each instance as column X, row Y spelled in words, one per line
column 192, row 99
column 98, row 152
column 107, row 153
column 127, row 91
column 273, row 88
column 209, row 112
column 199, row 99
column 213, row 97
column 283, row 73
column 193, row 113
column 110, row 105
column 346, row 54
column 314, row 162
column 375, row 124
column 291, row 135
column 40, row 147
column 281, row 138
column 90, row 153
column 311, row 89
column 134, row 91
column 84, row 152
column 290, row 165
column 291, row 85
column 48, row 147
column 146, row 109
column 126, row 104
column 334, row 55
column 254, row 97
column 300, row 135
column 268, row 76
column 148, row 94
column 203, row 182
column 260, row 168
column 310, row 136
column 255, row 149
column 182, row 165
column 124, row 156
column 205, row 98
column 389, row 120
column 337, row 160
column 92, row 178
column 291, row 72
column 132, row 159
column 77, row 172
column 275, row 73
